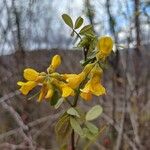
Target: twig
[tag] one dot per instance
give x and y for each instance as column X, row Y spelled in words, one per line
column 110, row 121
column 45, row 126
column 131, row 113
column 13, row 147
column 120, row 132
column 31, row 124
column 10, row 95
column 23, row 128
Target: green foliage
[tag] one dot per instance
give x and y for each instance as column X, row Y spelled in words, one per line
column 85, row 29
column 59, row 102
column 94, row 112
column 92, row 128
column 78, row 22
column 86, row 34
column 62, row 127
column 67, row 19
column 76, row 126
column 88, row 134
column 72, row 111
column 54, row 99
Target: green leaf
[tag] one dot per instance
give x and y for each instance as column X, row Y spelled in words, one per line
column 59, row 102
column 92, row 128
column 93, row 113
column 78, row 22
column 88, row 134
column 62, row 127
column 85, row 29
column 76, row 126
column 84, row 42
column 89, row 35
column 54, row 99
column 93, row 44
column 73, row 112
column 67, row 19
column 64, row 147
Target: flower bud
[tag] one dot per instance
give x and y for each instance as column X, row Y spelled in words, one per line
column 56, row 61
column 104, row 46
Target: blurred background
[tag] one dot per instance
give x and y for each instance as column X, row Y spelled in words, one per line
column 32, row 31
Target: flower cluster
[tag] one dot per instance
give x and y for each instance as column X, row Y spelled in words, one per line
column 49, row 81
column 88, row 81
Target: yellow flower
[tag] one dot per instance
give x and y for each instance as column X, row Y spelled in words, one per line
column 30, row 74
column 104, row 46
column 74, row 80
column 46, row 91
column 65, row 88
column 67, row 91
column 56, row 61
column 50, row 91
column 88, row 68
column 93, row 86
column 86, row 96
column 26, row 87
column 96, row 71
column 43, row 92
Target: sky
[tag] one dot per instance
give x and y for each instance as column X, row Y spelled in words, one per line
column 48, row 24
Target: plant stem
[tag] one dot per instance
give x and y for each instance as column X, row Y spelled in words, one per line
column 77, row 97
column 72, row 140
column 72, row 133
column 77, row 34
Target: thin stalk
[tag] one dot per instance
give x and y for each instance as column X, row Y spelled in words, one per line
column 72, row 133
column 76, row 98
column 72, row 140
column 77, row 34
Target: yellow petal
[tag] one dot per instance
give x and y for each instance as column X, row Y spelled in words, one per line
column 104, row 45
column 49, row 94
column 56, row 61
column 27, row 87
column 30, row 74
column 96, row 71
column 86, row 96
column 43, row 92
column 88, row 68
column 96, row 88
column 87, row 87
column 20, row 83
column 67, row 91
column 74, row 80
column 40, row 79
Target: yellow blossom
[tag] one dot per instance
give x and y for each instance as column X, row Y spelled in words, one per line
column 67, row 91
column 93, row 86
column 104, row 46
column 88, row 68
column 30, row 74
column 64, row 87
column 56, row 61
column 26, row 87
column 50, row 91
column 49, row 94
column 86, row 96
column 74, row 80
column 43, row 92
